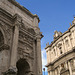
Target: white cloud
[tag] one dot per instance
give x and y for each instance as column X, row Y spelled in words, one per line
column 44, row 59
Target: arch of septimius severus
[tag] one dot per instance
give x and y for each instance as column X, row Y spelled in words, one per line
column 20, row 49
column 61, row 52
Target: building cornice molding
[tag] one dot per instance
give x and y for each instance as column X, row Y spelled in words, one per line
column 68, row 31
column 24, row 9
column 8, row 19
column 63, row 34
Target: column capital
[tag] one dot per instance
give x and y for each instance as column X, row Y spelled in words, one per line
column 17, row 20
column 39, row 35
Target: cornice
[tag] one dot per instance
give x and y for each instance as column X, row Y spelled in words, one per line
column 69, row 29
column 6, row 17
column 27, row 33
column 57, row 38
column 5, row 13
column 71, row 26
column 24, row 9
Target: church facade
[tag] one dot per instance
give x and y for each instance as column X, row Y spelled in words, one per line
column 20, row 48
column 61, row 52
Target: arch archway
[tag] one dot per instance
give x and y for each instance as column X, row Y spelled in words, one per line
column 23, row 67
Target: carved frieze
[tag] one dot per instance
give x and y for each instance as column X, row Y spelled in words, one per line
column 26, row 28
column 26, row 39
column 25, row 50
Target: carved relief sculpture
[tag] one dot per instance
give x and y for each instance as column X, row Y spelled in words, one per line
column 20, row 37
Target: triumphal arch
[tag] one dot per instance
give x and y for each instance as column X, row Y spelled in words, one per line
column 20, row 48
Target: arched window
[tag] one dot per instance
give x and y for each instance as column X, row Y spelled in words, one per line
column 60, row 48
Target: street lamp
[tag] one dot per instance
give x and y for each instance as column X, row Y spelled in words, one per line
column 44, row 70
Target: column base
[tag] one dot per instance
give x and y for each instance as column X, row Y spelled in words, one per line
column 10, row 72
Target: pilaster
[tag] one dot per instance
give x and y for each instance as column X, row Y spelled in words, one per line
column 55, row 72
column 70, row 69
column 51, row 73
column 63, row 46
column 58, row 70
column 70, row 43
column 15, row 43
column 34, row 48
column 73, row 43
column 39, row 60
column 74, row 62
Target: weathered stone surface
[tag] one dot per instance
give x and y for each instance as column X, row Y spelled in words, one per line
column 20, row 49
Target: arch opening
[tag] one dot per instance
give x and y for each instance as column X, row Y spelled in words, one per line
column 23, row 67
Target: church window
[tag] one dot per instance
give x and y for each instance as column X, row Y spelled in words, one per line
column 60, row 48
column 67, row 43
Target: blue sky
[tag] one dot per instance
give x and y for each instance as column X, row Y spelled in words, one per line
column 53, row 14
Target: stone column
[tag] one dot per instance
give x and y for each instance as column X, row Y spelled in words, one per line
column 47, row 56
column 55, row 72
column 70, row 41
column 73, row 43
column 34, row 48
column 56, row 51
column 63, row 49
column 70, row 45
column 66, row 65
column 69, row 65
column 51, row 73
column 39, row 60
column 58, row 70
column 73, row 35
column 14, row 48
column 48, row 73
column 64, row 46
column 13, row 59
column 74, row 62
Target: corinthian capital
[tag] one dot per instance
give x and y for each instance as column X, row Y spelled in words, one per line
column 39, row 35
column 17, row 19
